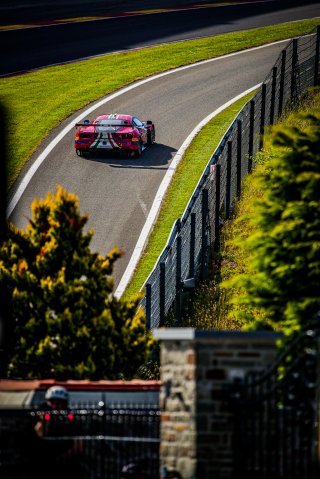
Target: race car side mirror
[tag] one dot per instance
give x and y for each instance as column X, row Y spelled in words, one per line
column 84, row 123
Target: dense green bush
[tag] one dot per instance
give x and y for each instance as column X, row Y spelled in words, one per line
column 280, row 282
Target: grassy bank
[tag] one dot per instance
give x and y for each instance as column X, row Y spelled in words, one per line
column 37, row 102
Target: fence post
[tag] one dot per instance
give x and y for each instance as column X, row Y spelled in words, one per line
column 273, row 93
column 3, row 178
column 239, row 156
column 251, row 135
column 178, row 275
column 5, row 328
column 263, row 113
column 316, row 61
column 293, row 70
column 228, row 182
column 217, row 210
column 282, row 79
column 148, row 305
column 192, row 244
column 162, row 298
column 204, row 240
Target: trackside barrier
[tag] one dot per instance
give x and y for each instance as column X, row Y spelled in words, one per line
column 184, row 260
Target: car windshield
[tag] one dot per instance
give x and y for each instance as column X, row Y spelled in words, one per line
column 112, row 122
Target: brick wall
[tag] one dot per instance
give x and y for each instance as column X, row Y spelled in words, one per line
column 197, row 369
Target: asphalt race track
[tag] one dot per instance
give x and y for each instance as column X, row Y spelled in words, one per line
column 117, row 193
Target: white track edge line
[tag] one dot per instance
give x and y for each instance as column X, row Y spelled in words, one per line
column 144, row 235
column 27, row 178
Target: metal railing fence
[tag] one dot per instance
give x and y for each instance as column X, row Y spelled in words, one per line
column 82, row 443
column 276, row 431
column 185, row 259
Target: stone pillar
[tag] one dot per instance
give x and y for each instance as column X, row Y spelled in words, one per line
column 178, row 402
column 197, row 369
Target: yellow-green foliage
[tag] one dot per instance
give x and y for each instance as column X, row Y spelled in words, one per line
column 269, row 261
column 234, row 258
column 65, row 320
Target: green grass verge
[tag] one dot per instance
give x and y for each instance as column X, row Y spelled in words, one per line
column 37, row 102
column 181, row 188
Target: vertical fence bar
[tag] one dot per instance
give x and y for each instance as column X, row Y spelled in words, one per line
column 148, row 305
column 292, row 462
column 316, row 59
column 162, row 293
column 285, row 442
column 251, row 135
column 217, row 209
column 5, row 332
column 273, row 93
column 101, row 458
column 239, row 156
column 293, row 70
column 260, row 433
column 192, row 244
column 178, row 275
column 262, row 113
column 316, row 423
column 204, row 240
column 278, row 433
column 269, row 432
column 228, row 182
column 3, row 177
column 251, row 422
column 282, row 79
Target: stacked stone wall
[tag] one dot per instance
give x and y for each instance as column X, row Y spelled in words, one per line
column 178, row 407
column 197, row 370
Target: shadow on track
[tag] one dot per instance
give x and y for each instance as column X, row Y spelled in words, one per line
column 65, row 43
column 156, row 157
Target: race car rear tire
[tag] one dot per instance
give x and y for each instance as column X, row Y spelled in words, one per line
column 138, row 152
column 82, row 152
column 150, row 137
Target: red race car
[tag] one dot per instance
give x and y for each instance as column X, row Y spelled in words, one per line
column 119, row 133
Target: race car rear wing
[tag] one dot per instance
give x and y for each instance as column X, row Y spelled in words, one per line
column 99, row 124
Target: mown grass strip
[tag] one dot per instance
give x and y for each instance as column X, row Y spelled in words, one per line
column 181, row 188
column 38, row 101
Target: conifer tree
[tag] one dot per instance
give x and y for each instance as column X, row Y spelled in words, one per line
column 285, row 244
column 64, row 320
